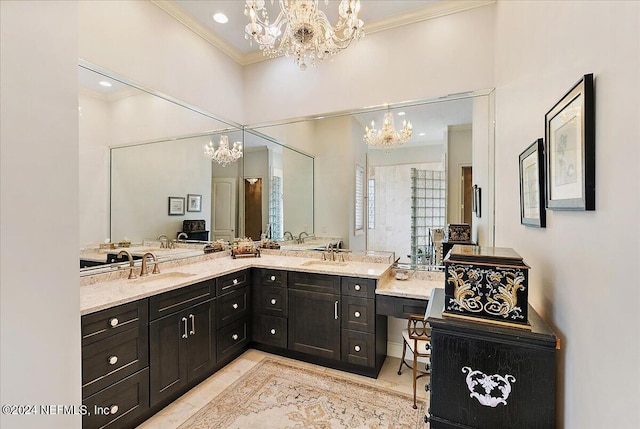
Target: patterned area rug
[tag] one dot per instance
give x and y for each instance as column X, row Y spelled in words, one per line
column 277, row 395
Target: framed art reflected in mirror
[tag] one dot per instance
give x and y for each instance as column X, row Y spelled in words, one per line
column 176, row 206
column 570, row 149
column 532, row 208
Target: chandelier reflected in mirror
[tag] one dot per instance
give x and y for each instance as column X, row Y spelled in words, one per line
column 387, row 137
column 223, row 155
column 302, row 30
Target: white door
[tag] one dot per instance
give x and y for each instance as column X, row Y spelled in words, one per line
column 223, row 208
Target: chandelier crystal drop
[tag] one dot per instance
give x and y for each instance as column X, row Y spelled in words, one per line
column 223, row 155
column 302, row 30
column 387, row 138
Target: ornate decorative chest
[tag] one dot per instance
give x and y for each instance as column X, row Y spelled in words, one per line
column 193, row 225
column 488, row 284
column 458, row 232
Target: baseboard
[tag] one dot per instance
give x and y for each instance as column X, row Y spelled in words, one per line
column 395, row 350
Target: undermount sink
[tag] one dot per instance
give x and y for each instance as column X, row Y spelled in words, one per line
column 174, row 275
column 330, row 263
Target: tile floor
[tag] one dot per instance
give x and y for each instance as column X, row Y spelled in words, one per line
column 188, row 404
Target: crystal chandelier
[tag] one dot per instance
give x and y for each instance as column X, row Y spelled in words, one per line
column 387, row 138
column 223, row 155
column 302, row 30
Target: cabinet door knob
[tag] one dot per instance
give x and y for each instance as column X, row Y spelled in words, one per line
column 357, row 314
column 114, row 322
column 113, row 409
column 235, row 281
column 356, row 348
column 273, row 301
column 235, row 306
column 235, row 337
column 273, row 332
column 357, row 287
column 273, row 278
column 113, row 360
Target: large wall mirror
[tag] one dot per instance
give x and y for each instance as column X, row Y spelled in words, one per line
column 142, row 151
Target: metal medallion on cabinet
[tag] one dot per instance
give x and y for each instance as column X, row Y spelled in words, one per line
column 230, row 282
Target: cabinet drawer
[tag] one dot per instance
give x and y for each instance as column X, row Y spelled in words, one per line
column 233, row 306
column 358, row 314
column 363, row 288
column 273, row 277
column 230, row 282
column 118, row 405
column 232, row 338
column 103, row 324
column 358, row 348
column 273, row 301
column 322, row 283
column 400, row 307
column 272, row 331
column 179, row 299
column 115, row 357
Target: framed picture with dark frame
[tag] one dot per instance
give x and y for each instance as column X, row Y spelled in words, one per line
column 176, row 206
column 532, row 202
column 570, row 149
column 194, row 203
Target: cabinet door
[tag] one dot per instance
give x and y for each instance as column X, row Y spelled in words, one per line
column 314, row 323
column 167, row 356
column 201, row 340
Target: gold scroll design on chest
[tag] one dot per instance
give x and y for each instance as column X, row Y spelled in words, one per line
column 501, row 290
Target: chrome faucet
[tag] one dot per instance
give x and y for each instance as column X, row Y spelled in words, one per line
column 301, row 238
column 284, row 236
column 144, row 271
column 164, row 241
column 123, row 253
column 182, row 235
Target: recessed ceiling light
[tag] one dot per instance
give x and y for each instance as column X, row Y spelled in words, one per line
column 401, row 113
column 220, row 18
column 105, row 83
column 422, row 134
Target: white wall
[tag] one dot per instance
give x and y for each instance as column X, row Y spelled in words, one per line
column 441, row 56
column 39, row 317
column 138, row 40
column 583, row 276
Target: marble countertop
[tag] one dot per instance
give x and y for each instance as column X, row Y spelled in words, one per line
column 419, row 284
column 96, row 295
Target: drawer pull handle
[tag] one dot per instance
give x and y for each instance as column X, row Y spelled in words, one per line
column 113, row 409
column 114, row 322
column 335, row 310
column 357, row 287
column 235, row 281
column 113, row 360
column 235, row 306
column 193, row 324
column 235, row 337
column 273, row 301
column 273, row 332
column 184, row 334
column 356, row 348
column 357, row 314
column 273, row 278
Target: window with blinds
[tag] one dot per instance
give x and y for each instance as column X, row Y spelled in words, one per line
column 359, row 200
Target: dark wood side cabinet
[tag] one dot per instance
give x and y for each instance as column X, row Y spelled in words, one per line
column 115, row 359
column 182, row 342
column 270, row 307
column 233, row 315
column 486, row 376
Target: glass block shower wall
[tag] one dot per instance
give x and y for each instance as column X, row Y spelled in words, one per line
column 428, row 211
column 275, row 208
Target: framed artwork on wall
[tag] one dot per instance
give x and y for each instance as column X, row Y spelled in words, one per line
column 570, row 149
column 176, row 206
column 532, row 203
column 194, row 203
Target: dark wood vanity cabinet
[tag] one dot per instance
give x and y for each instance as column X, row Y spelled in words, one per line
column 182, row 343
column 233, row 315
column 115, row 359
column 270, row 307
column 490, row 377
column 314, row 314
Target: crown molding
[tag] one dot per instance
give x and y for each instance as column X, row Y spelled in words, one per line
column 433, row 10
